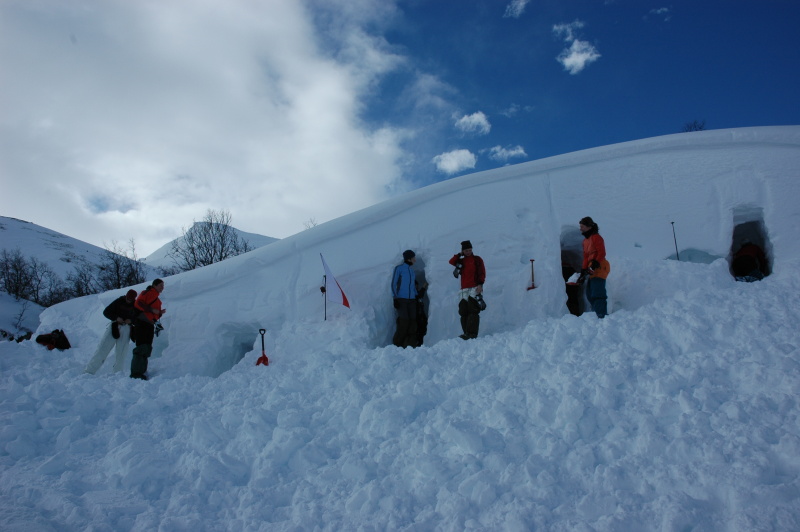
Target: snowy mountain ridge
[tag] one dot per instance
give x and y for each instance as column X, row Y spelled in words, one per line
column 161, row 258
column 59, row 251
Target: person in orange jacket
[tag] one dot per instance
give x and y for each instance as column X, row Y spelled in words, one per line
column 595, row 266
column 150, row 309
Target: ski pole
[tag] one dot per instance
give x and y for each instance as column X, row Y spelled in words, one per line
column 677, row 255
column 263, row 358
column 533, row 285
column 324, row 289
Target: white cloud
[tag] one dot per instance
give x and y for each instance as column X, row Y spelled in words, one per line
column 455, row 161
column 514, row 109
column 140, row 116
column 568, row 31
column 578, row 56
column 475, row 123
column 515, row 8
column 663, row 12
column 498, row 153
column 580, row 53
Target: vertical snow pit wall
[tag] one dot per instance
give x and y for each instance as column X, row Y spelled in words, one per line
column 750, row 245
column 571, row 260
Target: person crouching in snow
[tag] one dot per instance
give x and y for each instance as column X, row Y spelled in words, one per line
column 121, row 312
column 404, row 293
column 472, row 271
column 595, row 266
column 149, row 306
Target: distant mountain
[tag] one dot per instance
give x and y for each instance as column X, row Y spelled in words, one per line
column 59, row 251
column 160, row 258
column 63, row 254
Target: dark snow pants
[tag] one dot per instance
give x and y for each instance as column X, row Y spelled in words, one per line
column 406, row 333
column 145, row 332
column 469, row 310
column 596, row 294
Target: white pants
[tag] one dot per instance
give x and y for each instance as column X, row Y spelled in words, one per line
column 104, row 348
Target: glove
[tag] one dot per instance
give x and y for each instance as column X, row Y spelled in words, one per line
column 584, row 275
column 459, row 265
column 594, row 265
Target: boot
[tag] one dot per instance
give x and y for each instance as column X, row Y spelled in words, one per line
column 139, row 361
column 411, row 334
column 472, row 325
column 401, row 333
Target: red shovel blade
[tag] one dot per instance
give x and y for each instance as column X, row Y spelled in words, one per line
column 262, row 360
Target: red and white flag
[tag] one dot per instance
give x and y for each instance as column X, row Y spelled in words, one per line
column 334, row 295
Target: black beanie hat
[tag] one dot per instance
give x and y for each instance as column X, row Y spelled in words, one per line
column 587, row 221
column 408, row 254
column 466, row 244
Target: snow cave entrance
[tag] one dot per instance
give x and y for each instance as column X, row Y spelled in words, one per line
column 238, row 342
column 571, row 259
column 749, row 257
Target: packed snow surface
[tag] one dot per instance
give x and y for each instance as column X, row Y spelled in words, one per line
column 676, row 412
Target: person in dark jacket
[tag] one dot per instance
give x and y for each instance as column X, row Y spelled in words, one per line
column 122, row 314
column 471, row 269
column 149, row 306
column 595, row 267
column 749, row 263
column 404, row 293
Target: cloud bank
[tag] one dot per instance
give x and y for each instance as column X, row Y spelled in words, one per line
column 137, row 117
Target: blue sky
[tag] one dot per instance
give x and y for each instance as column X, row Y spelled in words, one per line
column 123, row 120
column 640, row 69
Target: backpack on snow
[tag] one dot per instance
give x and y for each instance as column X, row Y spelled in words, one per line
column 54, row 340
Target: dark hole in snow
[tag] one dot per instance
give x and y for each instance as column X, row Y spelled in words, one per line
column 750, row 246
column 571, row 259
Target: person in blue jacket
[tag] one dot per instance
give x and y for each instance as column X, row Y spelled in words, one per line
column 404, row 292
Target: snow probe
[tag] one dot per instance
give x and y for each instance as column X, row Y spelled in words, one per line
column 677, row 255
column 533, row 285
column 263, row 358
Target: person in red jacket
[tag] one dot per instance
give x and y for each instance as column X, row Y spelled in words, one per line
column 150, row 309
column 472, row 271
column 595, row 266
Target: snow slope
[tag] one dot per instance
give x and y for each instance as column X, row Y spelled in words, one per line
column 18, row 317
column 60, row 252
column 676, row 412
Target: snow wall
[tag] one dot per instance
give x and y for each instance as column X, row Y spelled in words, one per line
column 707, row 183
